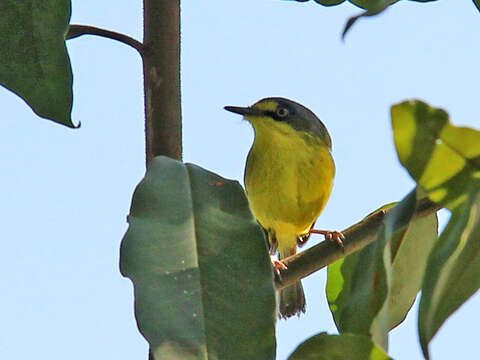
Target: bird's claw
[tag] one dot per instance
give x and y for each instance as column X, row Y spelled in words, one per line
column 336, row 236
column 277, row 265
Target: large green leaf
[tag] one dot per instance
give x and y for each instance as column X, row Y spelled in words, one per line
column 200, row 266
column 338, row 347
column 371, row 291
column 34, row 62
column 445, row 161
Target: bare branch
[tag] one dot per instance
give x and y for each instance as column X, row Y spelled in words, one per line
column 161, row 73
column 79, row 30
column 356, row 237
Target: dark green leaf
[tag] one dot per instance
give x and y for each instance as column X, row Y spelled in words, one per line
column 477, row 4
column 453, row 272
column 199, row 262
column 338, row 347
column 34, row 62
column 329, row 2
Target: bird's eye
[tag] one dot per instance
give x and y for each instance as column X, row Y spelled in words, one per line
column 282, row 112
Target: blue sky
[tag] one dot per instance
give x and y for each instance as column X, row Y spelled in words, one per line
column 66, row 193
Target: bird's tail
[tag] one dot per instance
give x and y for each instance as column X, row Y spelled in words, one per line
column 292, row 298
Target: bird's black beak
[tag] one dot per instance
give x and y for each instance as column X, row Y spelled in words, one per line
column 245, row 111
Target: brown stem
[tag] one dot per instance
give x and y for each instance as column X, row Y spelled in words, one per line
column 79, row 30
column 356, row 237
column 161, row 70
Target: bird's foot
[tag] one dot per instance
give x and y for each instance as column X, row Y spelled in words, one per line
column 277, row 265
column 336, row 236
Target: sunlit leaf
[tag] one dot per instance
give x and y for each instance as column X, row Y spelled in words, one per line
column 198, row 260
column 34, row 62
column 445, row 161
column 442, row 158
column 338, row 347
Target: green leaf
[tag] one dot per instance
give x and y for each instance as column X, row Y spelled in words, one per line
column 371, row 291
column 357, row 288
column 34, row 62
column 442, row 158
column 411, row 240
column 453, row 272
column 200, row 266
column 329, row 2
column 445, row 162
column 477, row 4
column 338, row 347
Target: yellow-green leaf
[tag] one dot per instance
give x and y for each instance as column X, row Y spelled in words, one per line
column 445, row 162
column 442, row 158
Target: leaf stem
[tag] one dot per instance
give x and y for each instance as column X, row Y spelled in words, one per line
column 327, row 252
column 79, row 30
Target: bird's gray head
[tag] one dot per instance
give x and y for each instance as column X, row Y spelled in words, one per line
column 288, row 111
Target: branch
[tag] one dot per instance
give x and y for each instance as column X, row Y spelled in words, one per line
column 161, row 73
column 79, row 30
column 356, row 237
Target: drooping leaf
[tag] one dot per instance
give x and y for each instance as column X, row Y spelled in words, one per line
column 445, row 161
column 371, row 7
column 34, row 62
column 200, row 266
column 453, row 272
column 371, row 291
column 411, row 240
column 357, row 288
column 338, row 347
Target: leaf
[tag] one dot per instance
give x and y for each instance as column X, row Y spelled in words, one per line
column 442, row 158
column 372, row 7
column 411, row 240
column 338, row 347
column 329, row 2
column 200, row 266
column 34, row 62
column 477, row 4
column 445, row 161
column 367, row 297
column 453, row 272
column 357, row 288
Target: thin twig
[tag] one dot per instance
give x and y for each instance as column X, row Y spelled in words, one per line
column 327, row 252
column 79, row 30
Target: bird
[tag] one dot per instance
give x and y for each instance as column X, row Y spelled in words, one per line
column 288, row 180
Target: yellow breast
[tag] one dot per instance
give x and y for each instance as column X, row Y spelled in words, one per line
column 288, row 178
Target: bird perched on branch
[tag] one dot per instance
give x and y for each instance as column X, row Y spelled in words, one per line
column 288, row 178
